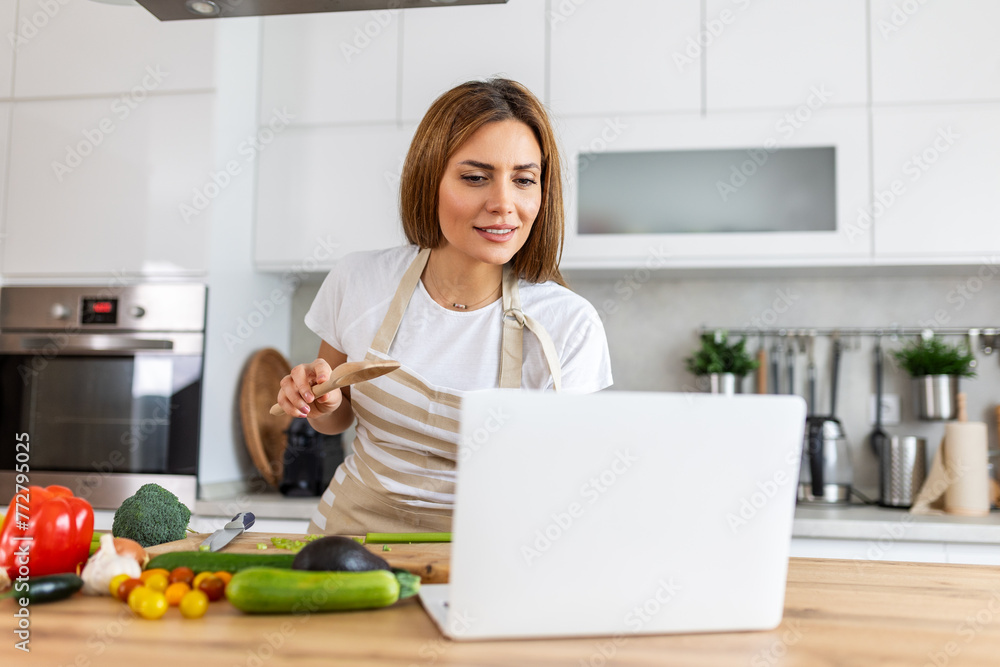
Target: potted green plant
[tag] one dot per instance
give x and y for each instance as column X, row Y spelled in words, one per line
column 724, row 363
column 936, row 367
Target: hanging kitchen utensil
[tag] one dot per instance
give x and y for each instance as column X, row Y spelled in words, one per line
column 811, row 371
column 775, row 380
column 761, row 366
column 973, row 346
column 878, row 438
column 346, row 374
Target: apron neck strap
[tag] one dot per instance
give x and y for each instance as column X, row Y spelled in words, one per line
column 514, row 321
column 390, row 324
column 512, row 339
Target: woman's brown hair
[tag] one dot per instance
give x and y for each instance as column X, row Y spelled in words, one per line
column 451, row 120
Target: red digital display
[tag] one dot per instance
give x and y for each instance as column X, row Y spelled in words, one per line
column 102, row 307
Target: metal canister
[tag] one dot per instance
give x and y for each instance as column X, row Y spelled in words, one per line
column 903, row 469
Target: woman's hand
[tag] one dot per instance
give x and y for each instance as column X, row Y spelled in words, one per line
column 296, row 398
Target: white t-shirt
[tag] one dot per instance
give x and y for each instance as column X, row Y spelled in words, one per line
column 452, row 349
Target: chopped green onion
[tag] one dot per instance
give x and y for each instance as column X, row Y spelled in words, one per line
column 399, row 538
column 385, row 547
column 203, row 547
column 261, row 545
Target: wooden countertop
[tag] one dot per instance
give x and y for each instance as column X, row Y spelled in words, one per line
column 836, row 613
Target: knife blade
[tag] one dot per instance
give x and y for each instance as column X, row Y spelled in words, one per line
column 220, row 538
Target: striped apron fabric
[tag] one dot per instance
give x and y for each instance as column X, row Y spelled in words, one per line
column 401, row 476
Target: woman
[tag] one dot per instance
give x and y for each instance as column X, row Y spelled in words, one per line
column 481, row 204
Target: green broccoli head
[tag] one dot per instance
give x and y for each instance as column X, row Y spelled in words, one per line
column 152, row 516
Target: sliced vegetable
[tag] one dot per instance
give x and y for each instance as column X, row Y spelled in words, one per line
column 213, row 562
column 273, row 590
column 293, row 545
column 403, row 538
column 336, row 553
column 49, row 588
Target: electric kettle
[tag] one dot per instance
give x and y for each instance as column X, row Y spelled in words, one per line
column 826, row 475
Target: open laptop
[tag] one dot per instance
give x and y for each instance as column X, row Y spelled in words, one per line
column 619, row 513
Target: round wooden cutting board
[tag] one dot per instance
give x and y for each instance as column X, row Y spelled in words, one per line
column 263, row 432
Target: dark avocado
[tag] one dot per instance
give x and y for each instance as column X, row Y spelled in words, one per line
column 337, row 553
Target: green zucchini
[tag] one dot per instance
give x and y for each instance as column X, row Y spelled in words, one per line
column 49, row 588
column 207, row 561
column 268, row 590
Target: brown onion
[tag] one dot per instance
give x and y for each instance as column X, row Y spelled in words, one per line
column 127, row 547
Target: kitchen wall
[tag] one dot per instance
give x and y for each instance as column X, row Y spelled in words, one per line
column 652, row 319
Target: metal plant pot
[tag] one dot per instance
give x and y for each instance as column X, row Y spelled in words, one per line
column 937, row 397
column 724, row 383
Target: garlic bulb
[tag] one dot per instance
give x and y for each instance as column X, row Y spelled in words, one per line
column 105, row 565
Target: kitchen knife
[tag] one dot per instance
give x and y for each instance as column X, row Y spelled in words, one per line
column 228, row 533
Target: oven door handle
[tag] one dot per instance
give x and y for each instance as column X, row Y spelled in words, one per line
column 96, row 343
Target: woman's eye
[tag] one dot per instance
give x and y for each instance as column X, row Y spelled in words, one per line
column 525, row 181
column 474, row 178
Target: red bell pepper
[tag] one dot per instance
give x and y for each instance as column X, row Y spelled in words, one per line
column 47, row 531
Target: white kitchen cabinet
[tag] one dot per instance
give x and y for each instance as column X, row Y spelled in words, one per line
column 81, row 47
column 96, row 187
column 775, row 54
column 8, row 26
column 935, row 176
column 446, row 46
column 845, row 130
column 611, row 56
column 325, row 192
column 935, row 51
column 331, row 68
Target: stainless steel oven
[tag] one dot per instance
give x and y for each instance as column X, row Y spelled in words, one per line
column 104, row 383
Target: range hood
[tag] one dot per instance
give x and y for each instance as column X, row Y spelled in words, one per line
column 175, row 10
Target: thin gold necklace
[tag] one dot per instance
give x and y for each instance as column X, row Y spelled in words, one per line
column 462, row 306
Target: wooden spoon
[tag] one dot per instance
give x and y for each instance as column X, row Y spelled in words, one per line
column 350, row 372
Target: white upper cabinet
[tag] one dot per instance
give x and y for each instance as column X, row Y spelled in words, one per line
column 617, row 56
column 446, row 46
column 81, row 47
column 820, row 222
column 935, row 51
column 776, row 53
column 97, row 187
column 936, row 182
column 325, row 192
column 332, row 68
column 8, row 27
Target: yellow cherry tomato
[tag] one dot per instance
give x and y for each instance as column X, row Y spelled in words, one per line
column 194, row 604
column 200, row 577
column 153, row 605
column 157, row 582
column 175, row 592
column 156, row 570
column 225, row 576
column 136, row 597
column 116, row 582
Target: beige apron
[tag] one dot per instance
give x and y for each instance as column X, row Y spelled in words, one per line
column 401, row 476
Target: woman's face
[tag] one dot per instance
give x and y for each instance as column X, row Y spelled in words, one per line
column 491, row 192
